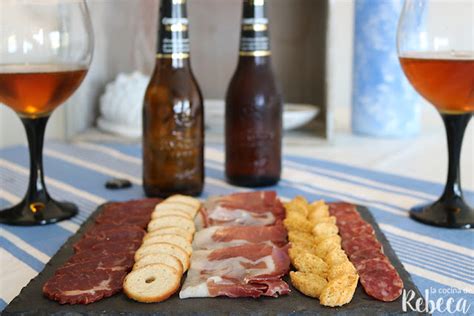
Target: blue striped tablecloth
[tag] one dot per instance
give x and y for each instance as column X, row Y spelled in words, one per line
column 439, row 260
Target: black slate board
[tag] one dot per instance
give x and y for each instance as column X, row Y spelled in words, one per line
column 30, row 301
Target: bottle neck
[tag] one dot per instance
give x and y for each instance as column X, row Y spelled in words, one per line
column 173, row 38
column 254, row 36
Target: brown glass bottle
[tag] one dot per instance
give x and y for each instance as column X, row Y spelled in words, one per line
column 253, row 117
column 173, row 122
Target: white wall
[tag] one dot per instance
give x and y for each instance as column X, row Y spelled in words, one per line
column 70, row 118
column 341, row 28
column 12, row 131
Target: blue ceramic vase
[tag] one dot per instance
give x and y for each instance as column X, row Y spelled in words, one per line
column 383, row 101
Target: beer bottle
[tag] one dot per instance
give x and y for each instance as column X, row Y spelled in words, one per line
column 253, row 112
column 173, row 122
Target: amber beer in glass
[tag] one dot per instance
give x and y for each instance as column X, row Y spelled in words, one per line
column 444, row 80
column 173, row 122
column 253, row 113
column 436, row 51
column 40, row 70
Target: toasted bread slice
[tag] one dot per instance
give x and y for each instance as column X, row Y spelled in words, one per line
column 164, row 247
column 172, row 220
column 310, row 263
column 164, row 258
column 191, row 211
column 172, row 239
column 184, row 199
column 308, row 283
column 170, row 212
column 339, row 291
column 171, row 230
column 152, row 283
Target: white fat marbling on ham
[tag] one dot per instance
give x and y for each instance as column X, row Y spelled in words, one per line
column 227, row 236
column 240, row 217
column 241, row 209
column 250, row 270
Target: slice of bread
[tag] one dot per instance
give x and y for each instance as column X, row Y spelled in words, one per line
column 164, row 247
column 172, row 220
column 164, row 258
column 170, row 212
column 175, row 206
column 152, row 283
column 172, row 239
column 171, row 230
column 184, row 199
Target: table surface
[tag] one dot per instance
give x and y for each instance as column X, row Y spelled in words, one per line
column 388, row 176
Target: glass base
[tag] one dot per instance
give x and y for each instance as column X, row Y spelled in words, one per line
column 38, row 213
column 452, row 214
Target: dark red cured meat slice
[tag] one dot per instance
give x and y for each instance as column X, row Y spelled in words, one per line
column 374, row 264
column 108, row 216
column 349, row 221
column 342, row 208
column 140, row 221
column 362, row 242
column 255, row 234
column 100, row 228
column 235, row 289
column 350, row 231
column 111, row 263
column 84, row 288
column 360, row 256
column 254, row 252
column 128, row 209
column 93, row 254
column 121, row 245
column 114, row 236
column 271, row 288
column 255, row 202
column 131, row 206
column 104, row 256
column 275, row 287
column 380, row 279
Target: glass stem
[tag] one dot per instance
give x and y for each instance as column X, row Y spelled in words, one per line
column 35, row 129
column 455, row 125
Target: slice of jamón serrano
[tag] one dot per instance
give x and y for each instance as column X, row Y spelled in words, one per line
column 378, row 277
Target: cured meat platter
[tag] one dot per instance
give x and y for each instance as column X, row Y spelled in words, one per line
column 32, row 302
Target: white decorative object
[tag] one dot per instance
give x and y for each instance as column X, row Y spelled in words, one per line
column 121, row 105
column 298, row 115
column 294, row 115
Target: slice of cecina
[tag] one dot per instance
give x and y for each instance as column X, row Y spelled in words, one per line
column 152, row 283
column 164, row 247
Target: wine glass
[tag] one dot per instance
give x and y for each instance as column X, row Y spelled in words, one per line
column 45, row 51
column 436, row 51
